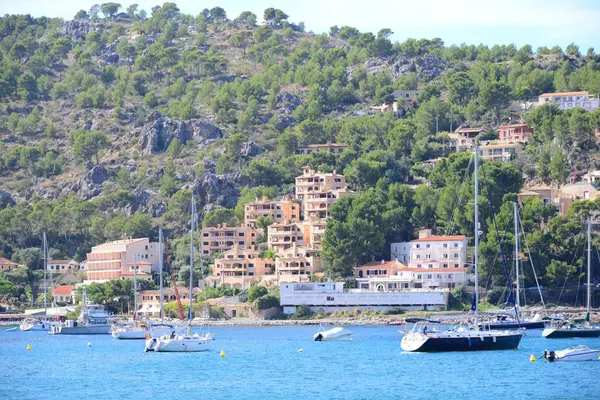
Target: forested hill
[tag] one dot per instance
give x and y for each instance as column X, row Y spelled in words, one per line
column 109, row 121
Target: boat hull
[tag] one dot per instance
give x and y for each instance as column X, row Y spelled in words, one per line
column 514, row 325
column 430, row 344
column 139, row 334
column 554, row 333
column 81, row 330
column 35, row 327
column 166, row 345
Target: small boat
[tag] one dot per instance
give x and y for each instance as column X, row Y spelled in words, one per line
column 417, row 320
column 139, row 330
column 337, row 333
column 14, row 328
column 33, row 324
column 574, row 353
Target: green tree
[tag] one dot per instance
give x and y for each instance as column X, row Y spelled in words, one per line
column 219, row 216
column 109, row 9
column 81, row 14
column 461, row 88
column 88, row 145
column 255, row 292
column 495, row 96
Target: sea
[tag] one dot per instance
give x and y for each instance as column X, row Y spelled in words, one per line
column 285, row 363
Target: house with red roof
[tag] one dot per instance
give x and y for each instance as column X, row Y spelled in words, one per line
column 518, row 133
column 64, row 294
column 6, row 264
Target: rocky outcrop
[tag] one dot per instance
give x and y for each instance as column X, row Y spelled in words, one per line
column 6, row 199
column 222, row 190
column 250, row 149
column 289, row 102
column 426, row 67
column 77, row 28
column 97, row 175
column 159, row 131
column 91, row 185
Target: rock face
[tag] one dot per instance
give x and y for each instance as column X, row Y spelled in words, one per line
column 91, row 185
column 218, row 189
column 289, row 102
column 77, row 28
column 159, row 131
column 427, row 67
column 97, row 175
column 6, row 199
column 250, row 149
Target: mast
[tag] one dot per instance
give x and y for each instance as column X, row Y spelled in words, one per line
column 191, row 258
column 160, row 269
column 134, row 286
column 476, row 236
column 518, row 299
column 45, row 250
column 589, row 267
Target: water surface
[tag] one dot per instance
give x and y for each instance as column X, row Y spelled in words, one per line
column 264, row 363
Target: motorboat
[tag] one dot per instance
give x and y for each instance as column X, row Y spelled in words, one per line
column 139, row 330
column 180, row 342
column 93, row 320
column 574, row 353
column 472, row 337
column 33, row 324
column 421, row 339
column 337, row 333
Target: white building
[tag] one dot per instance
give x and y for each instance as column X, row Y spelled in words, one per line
column 114, row 260
column 331, row 297
column 431, row 251
column 566, row 100
column 417, row 278
column 64, row 266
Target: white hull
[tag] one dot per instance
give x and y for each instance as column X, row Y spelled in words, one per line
column 582, row 356
column 81, row 330
column 575, row 353
column 139, row 333
column 179, row 344
column 332, row 335
column 38, row 326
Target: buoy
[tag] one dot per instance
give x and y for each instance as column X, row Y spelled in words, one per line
column 351, row 339
column 89, row 344
column 28, row 347
column 300, row 351
column 532, row 358
column 222, row 353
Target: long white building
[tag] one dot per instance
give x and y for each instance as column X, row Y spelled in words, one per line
column 331, row 297
column 431, row 251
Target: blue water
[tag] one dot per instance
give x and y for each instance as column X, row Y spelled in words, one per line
column 264, row 363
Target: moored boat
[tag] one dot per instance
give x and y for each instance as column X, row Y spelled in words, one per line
column 93, row 320
column 337, row 333
column 574, row 353
column 33, row 324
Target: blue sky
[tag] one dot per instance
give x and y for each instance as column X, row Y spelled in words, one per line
column 535, row 22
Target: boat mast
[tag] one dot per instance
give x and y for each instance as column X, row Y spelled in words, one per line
column 589, row 266
column 191, row 258
column 518, row 299
column 476, row 237
column 45, row 250
column 134, row 286
column 160, row 269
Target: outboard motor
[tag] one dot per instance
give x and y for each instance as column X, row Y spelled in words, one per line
column 319, row 338
column 549, row 355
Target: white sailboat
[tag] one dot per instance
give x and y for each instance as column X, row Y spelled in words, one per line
column 36, row 324
column 188, row 341
column 472, row 338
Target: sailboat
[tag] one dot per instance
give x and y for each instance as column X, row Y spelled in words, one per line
column 35, row 324
column 566, row 329
column 469, row 338
column 143, row 329
column 188, row 341
column 504, row 321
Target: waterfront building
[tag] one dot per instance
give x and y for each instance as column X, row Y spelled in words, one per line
column 240, row 268
column 64, row 294
column 64, row 266
column 331, row 297
column 297, row 264
column 334, row 148
column 279, row 210
column 377, row 269
column 114, row 260
column 222, row 238
column 518, row 133
column 282, row 236
column 408, row 278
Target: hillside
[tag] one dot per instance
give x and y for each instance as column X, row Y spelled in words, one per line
column 109, row 122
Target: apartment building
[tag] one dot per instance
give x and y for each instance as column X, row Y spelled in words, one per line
column 240, row 268
column 408, row 278
column 283, row 235
column 334, row 148
column 279, row 210
column 114, row 260
column 317, row 204
column 499, row 151
column 311, row 181
column 518, row 133
column 297, row 264
column 313, row 232
column 433, row 251
column 223, row 238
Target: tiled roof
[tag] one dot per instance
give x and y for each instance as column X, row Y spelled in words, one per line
column 384, row 264
column 408, row 269
column 63, row 290
column 439, row 239
column 582, row 93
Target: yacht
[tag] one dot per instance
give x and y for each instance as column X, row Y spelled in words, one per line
column 471, row 338
column 93, row 320
column 140, row 330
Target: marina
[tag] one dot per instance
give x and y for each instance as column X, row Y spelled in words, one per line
column 265, row 362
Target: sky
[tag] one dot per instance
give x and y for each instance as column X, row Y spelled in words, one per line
column 534, row 22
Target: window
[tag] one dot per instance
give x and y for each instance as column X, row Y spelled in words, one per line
column 205, row 234
column 455, row 244
column 204, row 243
column 241, row 234
column 418, row 256
column 429, row 276
column 445, row 256
column 455, row 265
column 241, row 242
column 445, row 245
column 418, row 246
column 450, row 276
column 455, row 256
column 427, row 245
column 418, row 265
column 430, row 265
column 445, row 265
column 419, row 277
column 146, row 247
